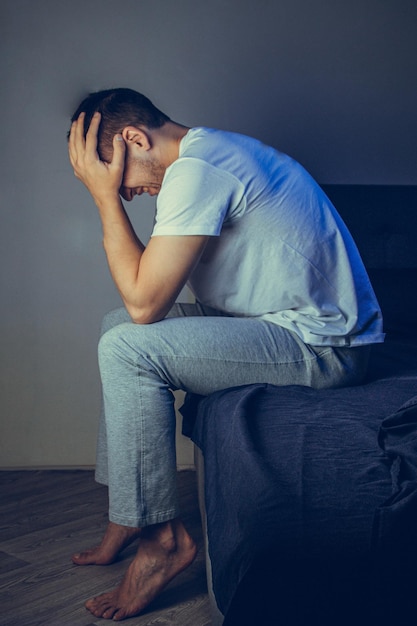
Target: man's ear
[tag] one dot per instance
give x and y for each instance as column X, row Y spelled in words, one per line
column 138, row 136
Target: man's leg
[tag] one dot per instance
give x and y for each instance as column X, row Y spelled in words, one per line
column 139, row 366
column 111, row 320
column 116, row 537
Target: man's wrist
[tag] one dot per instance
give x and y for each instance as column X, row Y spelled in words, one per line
column 108, row 202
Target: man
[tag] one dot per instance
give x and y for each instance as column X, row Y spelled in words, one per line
column 282, row 298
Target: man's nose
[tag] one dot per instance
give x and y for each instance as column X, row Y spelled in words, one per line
column 127, row 194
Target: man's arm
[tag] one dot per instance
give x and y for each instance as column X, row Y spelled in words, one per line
column 148, row 279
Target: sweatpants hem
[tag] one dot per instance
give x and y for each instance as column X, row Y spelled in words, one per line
column 141, row 522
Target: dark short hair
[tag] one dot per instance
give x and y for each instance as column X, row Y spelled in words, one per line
column 119, row 108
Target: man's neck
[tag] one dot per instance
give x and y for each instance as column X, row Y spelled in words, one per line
column 168, row 137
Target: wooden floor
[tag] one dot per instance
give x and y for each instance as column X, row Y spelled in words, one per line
column 45, row 516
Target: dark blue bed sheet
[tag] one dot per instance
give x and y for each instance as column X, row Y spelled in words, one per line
column 311, row 498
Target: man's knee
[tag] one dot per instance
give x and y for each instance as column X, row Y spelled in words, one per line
column 125, row 350
column 111, row 343
column 126, row 343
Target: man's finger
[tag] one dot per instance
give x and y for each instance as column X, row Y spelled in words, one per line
column 75, row 144
column 71, row 147
column 76, row 141
column 79, row 130
column 119, row 149
column 91, row 136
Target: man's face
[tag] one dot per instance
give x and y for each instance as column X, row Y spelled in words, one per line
column 141, row 175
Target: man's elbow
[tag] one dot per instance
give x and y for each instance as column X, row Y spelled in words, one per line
column 145, row 315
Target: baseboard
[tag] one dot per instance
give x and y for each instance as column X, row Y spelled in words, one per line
column 43, row 468
column 88, row 468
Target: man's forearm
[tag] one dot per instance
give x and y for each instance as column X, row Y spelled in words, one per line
column 149, row 280
column 123, row 249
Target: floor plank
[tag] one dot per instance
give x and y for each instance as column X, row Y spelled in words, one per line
column 45, row 516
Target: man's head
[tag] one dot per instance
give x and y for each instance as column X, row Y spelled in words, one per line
column 119, row 108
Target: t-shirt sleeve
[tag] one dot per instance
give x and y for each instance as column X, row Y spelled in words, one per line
column 195, row 198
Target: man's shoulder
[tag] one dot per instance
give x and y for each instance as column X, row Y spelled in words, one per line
column 202, row 137
column 190, row 172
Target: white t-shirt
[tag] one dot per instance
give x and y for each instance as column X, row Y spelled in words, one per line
column 278, row 251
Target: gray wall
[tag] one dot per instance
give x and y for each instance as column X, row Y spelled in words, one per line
column 333, row 83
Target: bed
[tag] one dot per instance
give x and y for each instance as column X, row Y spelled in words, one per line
column 309, row 497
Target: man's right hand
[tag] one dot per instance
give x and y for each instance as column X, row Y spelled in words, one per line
column 103, row 180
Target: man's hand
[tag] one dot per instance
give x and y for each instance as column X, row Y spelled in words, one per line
column 103, row 180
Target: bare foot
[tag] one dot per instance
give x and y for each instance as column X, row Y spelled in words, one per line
column 116, row 538
column 165, row 550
